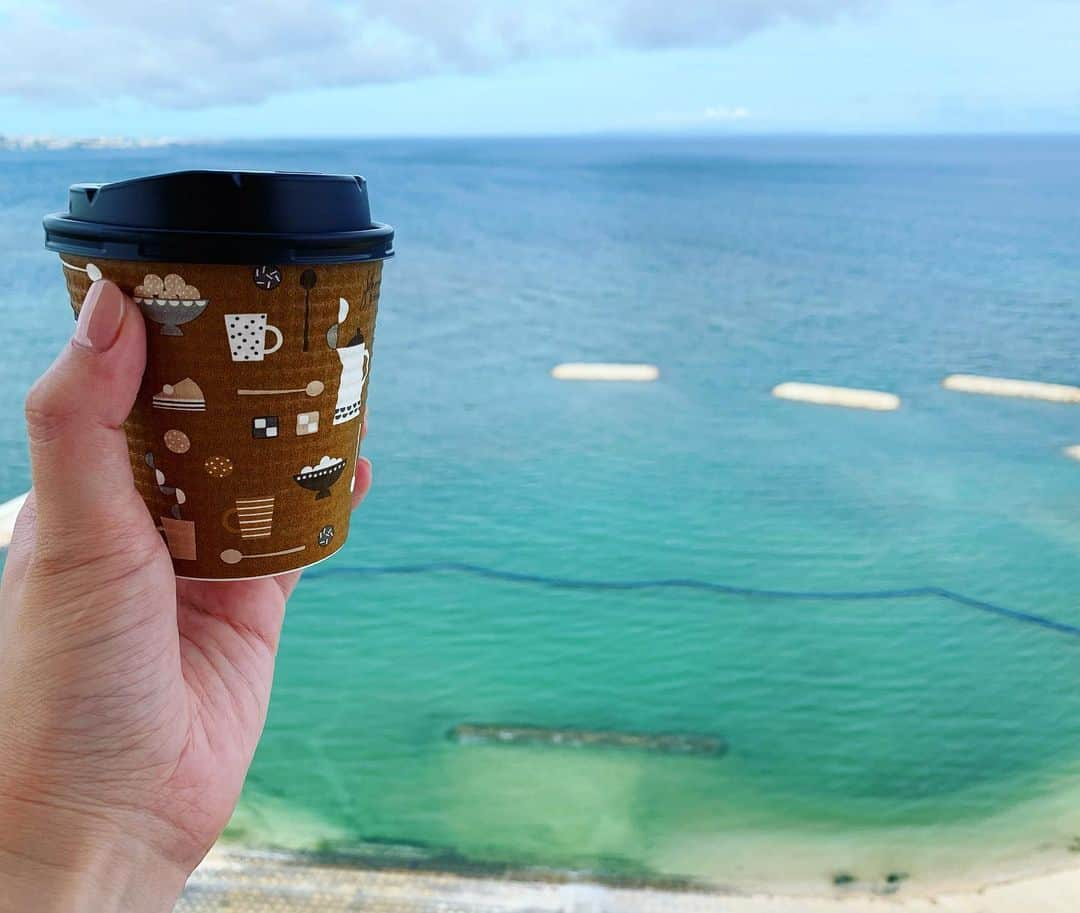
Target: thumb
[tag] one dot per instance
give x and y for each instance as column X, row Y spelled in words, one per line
column 74, row 415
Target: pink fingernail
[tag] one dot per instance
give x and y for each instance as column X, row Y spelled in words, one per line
column 100, row 317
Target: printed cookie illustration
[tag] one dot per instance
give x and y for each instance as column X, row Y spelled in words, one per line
column 355, row 358
column 183, row 396
column 267, row 278
column 217, row 467
column 321, row 477
column 177, row 441
column 247, row 336
column 169, row 301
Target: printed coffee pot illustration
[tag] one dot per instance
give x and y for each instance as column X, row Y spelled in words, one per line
column 355, row 359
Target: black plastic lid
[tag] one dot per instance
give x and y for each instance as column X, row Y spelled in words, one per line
column 249, row 217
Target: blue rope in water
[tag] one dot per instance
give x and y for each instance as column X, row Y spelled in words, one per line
column 705, row 586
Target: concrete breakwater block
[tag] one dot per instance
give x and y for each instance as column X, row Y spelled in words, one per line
column 848, row 397
column 666, row 743
column 1005, row 386
column 611, row 372
column 8, row 512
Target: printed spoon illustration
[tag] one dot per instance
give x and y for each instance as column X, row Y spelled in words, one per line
column 307, row 283
column 232, row 556
column 314, row 388
column 91, row 269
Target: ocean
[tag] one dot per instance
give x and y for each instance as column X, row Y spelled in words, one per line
column 862, row 605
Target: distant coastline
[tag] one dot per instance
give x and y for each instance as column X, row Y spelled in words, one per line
column 54, row 143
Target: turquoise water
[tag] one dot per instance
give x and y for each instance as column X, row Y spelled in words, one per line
column 915, row 735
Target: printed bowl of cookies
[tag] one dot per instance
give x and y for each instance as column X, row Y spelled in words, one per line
column 170, row 302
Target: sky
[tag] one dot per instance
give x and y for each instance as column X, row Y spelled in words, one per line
column 315, row 68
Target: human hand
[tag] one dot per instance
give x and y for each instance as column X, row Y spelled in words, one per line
column 130, row 702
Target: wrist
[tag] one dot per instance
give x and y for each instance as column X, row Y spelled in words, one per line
column 60, row 861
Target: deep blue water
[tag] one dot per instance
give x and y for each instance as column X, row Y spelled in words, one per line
column 860, row 732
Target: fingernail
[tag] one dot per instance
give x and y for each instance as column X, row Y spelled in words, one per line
column 100, row 317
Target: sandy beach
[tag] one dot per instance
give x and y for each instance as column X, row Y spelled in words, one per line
column 245, row 881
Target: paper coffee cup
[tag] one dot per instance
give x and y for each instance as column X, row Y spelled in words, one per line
column 244, row 436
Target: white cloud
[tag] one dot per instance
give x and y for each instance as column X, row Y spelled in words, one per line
column 237, row 51
column 712, row 115
column 725, row 114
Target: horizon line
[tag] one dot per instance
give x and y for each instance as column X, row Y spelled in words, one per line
column 630, row 133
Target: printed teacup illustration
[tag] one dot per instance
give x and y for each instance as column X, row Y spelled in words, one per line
column 355, row 358
column 180, row 538
column 183, row 396
column 321, row 477
column 247, row 336
column 251, row 518
column 170, row 301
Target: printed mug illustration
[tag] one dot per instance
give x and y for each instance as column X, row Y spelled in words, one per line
column 179, row 533
column 247, row 336
column 321, row 477
column 264, row 426
column 326, row 535
column 355, row 360
column 251, row 518
column 267, row 278
column 183, row 396
column 170, row 301
column 307, row 423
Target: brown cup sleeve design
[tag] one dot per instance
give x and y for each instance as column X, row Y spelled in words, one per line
column 241, row 460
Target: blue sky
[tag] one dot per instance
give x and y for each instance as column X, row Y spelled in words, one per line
column 416, row 67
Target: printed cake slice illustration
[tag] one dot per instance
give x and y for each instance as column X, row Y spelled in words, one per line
column 184, row 396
